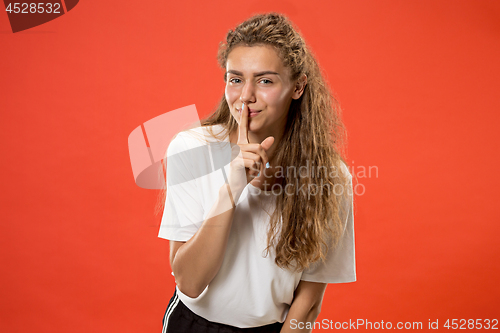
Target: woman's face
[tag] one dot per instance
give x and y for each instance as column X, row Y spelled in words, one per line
column 256, row 75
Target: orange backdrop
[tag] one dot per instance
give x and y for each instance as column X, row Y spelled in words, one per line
column 418, row 82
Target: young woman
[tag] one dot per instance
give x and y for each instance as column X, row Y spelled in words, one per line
column 258, row 209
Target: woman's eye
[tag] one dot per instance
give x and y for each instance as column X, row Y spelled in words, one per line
column 236, row 80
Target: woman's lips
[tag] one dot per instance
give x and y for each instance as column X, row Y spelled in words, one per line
column 252, row 113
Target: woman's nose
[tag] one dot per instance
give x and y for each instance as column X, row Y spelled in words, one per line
column 248, row 93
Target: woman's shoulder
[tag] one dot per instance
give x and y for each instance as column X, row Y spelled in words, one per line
column 196, row 137
column 345, row 169
column 204, row 134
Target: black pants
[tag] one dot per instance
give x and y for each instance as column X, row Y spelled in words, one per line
column 179, row 319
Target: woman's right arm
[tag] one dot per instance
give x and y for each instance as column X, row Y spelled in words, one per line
column 196, row 262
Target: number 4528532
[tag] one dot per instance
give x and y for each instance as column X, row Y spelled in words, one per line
column 471, row 324
column 32, row 8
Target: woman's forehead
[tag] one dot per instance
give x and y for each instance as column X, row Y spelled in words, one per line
column 254, row 58
column 256, row 61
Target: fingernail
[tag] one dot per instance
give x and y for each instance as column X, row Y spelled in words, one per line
column 258, row 174
column 267, row 165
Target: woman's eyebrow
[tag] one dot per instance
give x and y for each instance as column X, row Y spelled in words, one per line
column 255, row 74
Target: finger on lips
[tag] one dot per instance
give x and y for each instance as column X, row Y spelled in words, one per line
column 243, row 126
column 254, row 155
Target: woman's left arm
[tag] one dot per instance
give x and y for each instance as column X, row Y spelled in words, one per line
column 306, row 306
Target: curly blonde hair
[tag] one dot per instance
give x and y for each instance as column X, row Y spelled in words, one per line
column 302, row 227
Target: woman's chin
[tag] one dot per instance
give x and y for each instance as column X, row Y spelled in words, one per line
column 255, row 126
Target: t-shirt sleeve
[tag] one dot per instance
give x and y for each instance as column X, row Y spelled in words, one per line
column 183, row 211
column 339, row 265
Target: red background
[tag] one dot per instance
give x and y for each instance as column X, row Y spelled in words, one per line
column 418, row 82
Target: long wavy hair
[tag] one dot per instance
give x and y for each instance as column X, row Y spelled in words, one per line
column 303, row 226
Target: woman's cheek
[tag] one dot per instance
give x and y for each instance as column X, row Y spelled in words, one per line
column 231, row 95
column 272, row 97
column 230, row 98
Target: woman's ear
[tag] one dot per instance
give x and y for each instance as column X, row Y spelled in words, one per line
column 300, row 85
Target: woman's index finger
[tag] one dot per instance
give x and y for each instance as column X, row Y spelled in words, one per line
column 243, row 126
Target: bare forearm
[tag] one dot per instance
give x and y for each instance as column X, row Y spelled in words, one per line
column 305, row 308
column 300, row 322
column 198, row 260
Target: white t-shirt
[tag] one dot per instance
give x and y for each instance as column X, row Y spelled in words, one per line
column 250, row 289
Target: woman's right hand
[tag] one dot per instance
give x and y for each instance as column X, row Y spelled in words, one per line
column 248, row 159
